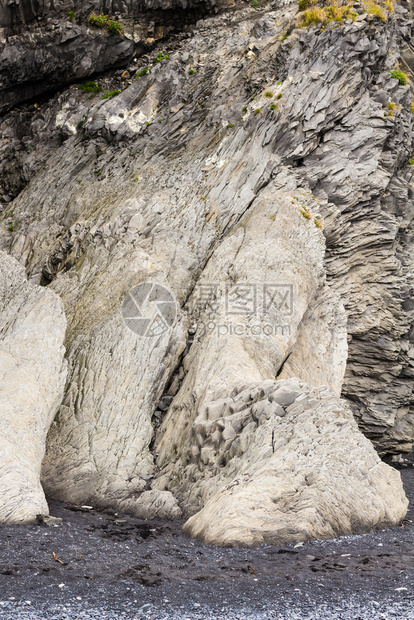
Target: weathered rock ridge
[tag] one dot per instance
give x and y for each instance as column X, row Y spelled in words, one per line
column 32, row 379
column 257, row 163
column 20, row 13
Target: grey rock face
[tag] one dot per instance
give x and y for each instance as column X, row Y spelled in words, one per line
column 242, row 160
column 42, row 61
column 32, row 378
column 374, row 278
column 46, row 44
column 15, row 13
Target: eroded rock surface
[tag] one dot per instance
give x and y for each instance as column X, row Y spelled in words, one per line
column 40, row 62
column 32, row 379
column 250, row 154
column 295, row 468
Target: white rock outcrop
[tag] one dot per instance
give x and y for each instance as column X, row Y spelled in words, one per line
column 32, row 379
column 265, row 460
column 289, row 465
column 98, row 447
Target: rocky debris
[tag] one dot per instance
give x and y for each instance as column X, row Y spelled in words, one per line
column 156, row 505
column 32, row 379
column 347, row 608
column 294, row 467
column 240, row 156
column 113, row 565
column 48, row 520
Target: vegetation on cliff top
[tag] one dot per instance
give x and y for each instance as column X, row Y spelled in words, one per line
column 335, row 12
column 104, row 22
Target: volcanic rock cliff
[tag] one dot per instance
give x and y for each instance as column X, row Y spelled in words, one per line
column 222, row 198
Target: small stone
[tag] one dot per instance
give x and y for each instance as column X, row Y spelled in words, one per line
column 48, row 520
column 283, row 397
column 229, row 433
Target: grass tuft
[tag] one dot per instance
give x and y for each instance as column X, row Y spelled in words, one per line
column 142, row 72
column 105, row 23
column 372, row 8
column 313, row 16
column 305, row 4
column 89, row 87
column 331, row 13
column 112, row 93
column 400, row 76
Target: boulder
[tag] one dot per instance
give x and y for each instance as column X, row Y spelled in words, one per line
column 156, row 505
column 309, row 474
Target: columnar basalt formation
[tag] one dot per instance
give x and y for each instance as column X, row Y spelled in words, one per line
column 249, row 157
